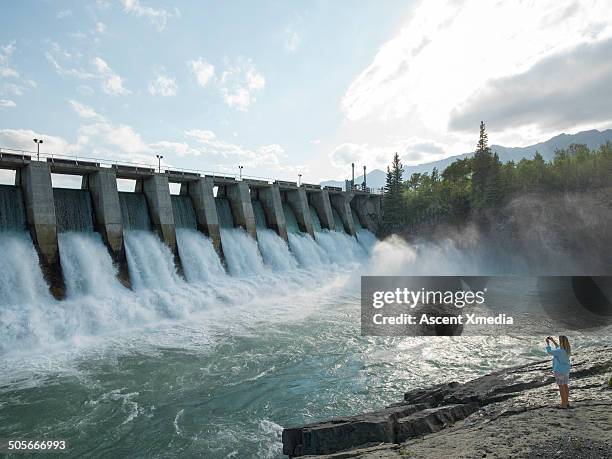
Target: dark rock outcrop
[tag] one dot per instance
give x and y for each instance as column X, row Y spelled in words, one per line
column 499, row 395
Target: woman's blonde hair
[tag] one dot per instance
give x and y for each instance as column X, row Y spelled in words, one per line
column 565, row 345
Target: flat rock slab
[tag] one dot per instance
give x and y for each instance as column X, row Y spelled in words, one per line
column 491, row 415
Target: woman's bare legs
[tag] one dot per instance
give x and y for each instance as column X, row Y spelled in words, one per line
column 564, row 393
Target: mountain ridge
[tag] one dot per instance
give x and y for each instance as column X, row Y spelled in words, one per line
column 592, row 138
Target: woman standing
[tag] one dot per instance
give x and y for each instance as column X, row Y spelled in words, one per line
column 561, row 365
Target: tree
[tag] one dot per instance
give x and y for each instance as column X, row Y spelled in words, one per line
column 487, row 186
column 481, row 164
column 394, row 204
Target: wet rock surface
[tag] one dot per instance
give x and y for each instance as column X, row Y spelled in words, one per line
column 509, row 413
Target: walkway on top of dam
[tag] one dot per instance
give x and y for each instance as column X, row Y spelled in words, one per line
column 13, row 159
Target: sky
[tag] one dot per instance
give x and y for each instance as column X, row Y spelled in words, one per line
column 298, row 87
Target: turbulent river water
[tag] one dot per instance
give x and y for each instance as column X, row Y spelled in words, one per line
column 215, row 365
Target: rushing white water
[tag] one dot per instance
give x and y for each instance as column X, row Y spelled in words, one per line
column 275, row 251
column 171, row 362
column 340, row 247
column 82, row 275
column 241, row 252
column 308, row 253
column 198, row 256
column 22, row 291
column 367, row 239
column 21, row 281
column 150, row 262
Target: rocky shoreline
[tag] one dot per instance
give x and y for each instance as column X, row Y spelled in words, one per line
column 508, row 413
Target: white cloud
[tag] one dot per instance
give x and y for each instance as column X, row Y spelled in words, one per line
column 102, row 139
column 84, row 111
column 6, row 52
column 163, row 85
column 567, row 89
column 292, row 40
column 315, row 141
column 181, row 149
column 64, row 14
column 224, row 153
column 202, row 69
column 412, row 151
column 108, row 140
column 239, row 82
column 5, row 103
column 201, row 135
column 21, row 139
column 100, row 27
column 66, row 63
column 69, row 64
column 157, row 16
column 112, row 83
column 449, row 50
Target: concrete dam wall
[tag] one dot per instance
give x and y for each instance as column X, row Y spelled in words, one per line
column 248, row 222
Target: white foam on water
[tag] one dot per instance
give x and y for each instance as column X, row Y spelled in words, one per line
column 367, row 239
column 98, row 306
column 22, row 292
column 150, row 262
column 198, row 257
column 340, row 247
column 21, row 280
column 241, row 252
column 308, row 253
column 81, row 274
column 275, row 251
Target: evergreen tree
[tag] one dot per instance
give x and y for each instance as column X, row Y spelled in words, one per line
column 393, row 200
column 480, row 164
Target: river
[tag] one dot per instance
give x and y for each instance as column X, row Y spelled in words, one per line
column 216, row 365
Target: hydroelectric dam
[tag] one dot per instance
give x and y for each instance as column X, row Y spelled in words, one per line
column 241, row 218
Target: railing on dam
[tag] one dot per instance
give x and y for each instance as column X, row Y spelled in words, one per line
column 28, row 155
column 24, row 156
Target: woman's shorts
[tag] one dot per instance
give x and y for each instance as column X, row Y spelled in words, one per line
column 561, row 378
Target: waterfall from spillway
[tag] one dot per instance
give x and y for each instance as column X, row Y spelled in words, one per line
column 292, row 223
column 241, row 252
column 198, row 257
column 335, row 246
column 224, row 210
column 365, row 237
column 314, row 216
column 134, row 211
column 260, row 215
column 273, row 248
column 150, row 262
column 356, row 220
column 184, row 214
column 96, row 303
column 21, row 280
column 338, row 224
column 12, row 210
column 308, row 253
column 73, row 210
column 86, row 264
column 22, row 292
